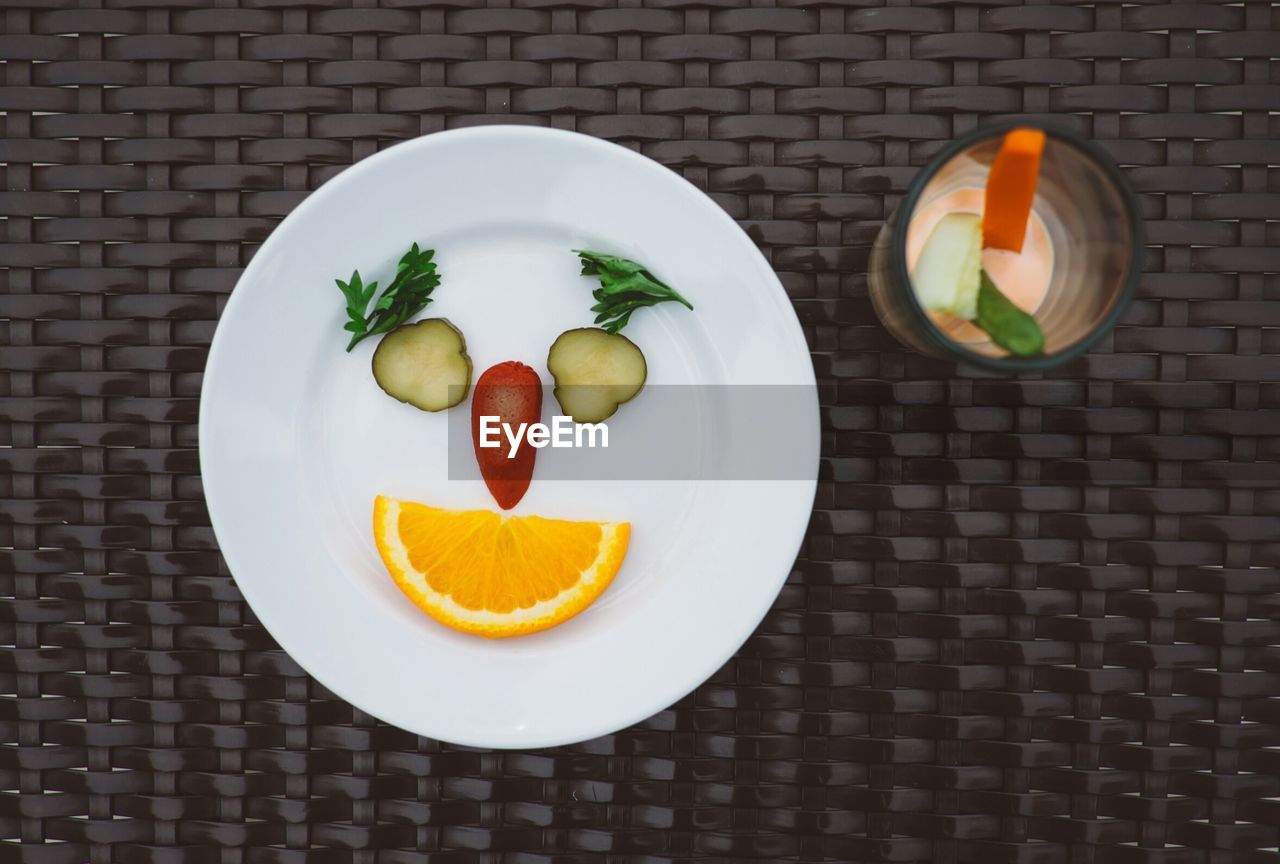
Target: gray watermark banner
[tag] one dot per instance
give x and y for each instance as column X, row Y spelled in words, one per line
column 667, row 432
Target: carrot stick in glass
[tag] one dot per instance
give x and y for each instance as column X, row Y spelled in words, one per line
column 1011, row 187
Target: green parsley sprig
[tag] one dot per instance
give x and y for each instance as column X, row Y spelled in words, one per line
column 406, row 296
column 625, row 286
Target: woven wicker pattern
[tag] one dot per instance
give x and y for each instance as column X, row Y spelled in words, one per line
column 1034, row 618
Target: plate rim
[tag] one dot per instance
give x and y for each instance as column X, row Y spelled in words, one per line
column 352, row 175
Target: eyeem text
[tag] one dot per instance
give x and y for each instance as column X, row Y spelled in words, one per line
column 562, row 432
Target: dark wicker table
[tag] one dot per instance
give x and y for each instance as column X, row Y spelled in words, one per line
column 1035, row 620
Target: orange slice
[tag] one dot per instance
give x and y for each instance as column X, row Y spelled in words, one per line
column 493, row 575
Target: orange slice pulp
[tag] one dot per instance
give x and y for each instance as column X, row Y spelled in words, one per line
column 493, row 575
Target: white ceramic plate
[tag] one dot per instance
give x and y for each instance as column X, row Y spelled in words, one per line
column 296, row 439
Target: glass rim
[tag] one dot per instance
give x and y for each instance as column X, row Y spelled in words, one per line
column 1011, row 363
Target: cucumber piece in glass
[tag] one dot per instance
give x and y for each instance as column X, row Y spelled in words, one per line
column 947, row 276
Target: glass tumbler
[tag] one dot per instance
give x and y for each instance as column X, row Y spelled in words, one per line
column 1085, row 214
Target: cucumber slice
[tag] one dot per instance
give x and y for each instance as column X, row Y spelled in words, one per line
column 947, row 273
column 595, row 372
column 424, row 364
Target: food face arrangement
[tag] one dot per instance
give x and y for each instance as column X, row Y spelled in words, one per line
column 987, row 258
column 480, row 571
